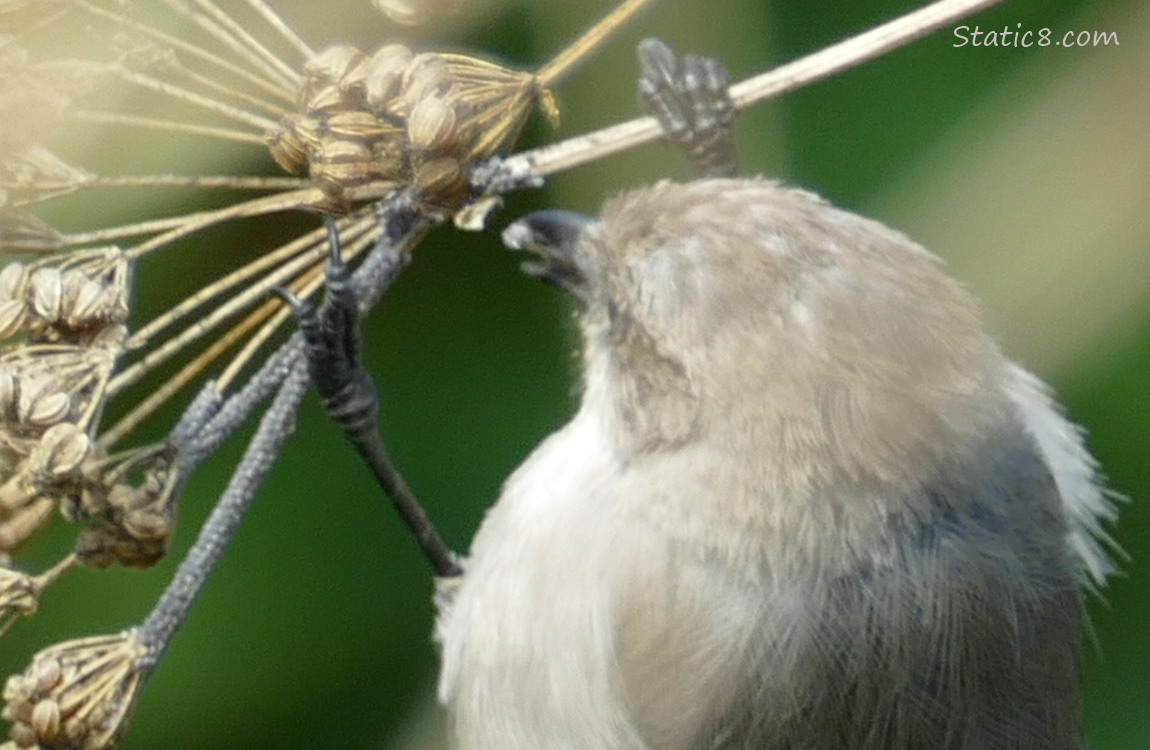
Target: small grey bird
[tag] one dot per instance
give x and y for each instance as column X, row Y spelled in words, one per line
column 805, row 503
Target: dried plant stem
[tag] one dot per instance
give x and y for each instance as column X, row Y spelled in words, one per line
column 277, row 424
column 532, row 165
column 281, row 92
column 187, row 373
column 282, row 28
column 208, row 104
column 233, row 37
column 581, row 48
column 169, row 126
column 52, row 574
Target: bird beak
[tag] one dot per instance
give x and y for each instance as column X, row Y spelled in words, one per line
column 556, row 237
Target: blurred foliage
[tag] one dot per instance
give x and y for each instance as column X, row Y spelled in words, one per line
column 315, row 631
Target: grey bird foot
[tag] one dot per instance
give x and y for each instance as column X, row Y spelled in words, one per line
column 333, row 345
column 688, row 96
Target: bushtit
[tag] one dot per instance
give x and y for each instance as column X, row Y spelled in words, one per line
column 805, row 502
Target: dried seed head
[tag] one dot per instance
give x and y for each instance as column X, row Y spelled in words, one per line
column 76, row 304
column 76, row 694
column 43, row 384
column 34, row 164
column 20, row 595
column 132, row 523
column 380, row 118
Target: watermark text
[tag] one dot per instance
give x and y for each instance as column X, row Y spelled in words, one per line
column 1019, row 37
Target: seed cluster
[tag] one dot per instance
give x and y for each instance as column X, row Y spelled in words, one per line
column 75, row 694
column 418, row 119
column 64, row 320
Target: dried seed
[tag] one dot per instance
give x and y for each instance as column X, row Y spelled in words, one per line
column 11, row 317
column 324, row 99
column 46, row 292
column 287, row 148
column 45, row 674
column 46, row 409
column 88, row 303
column 63, row 448
column 46, row 720
column 431, row 125
column 23, row 735
column 426, row 75
column 333, row 63
column 385, row 76
column 342, row 163
column 16, row 689
column 360, row 125
column 13, row 281
column 442, row 178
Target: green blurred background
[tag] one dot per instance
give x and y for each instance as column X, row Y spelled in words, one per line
column 1026, row 169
